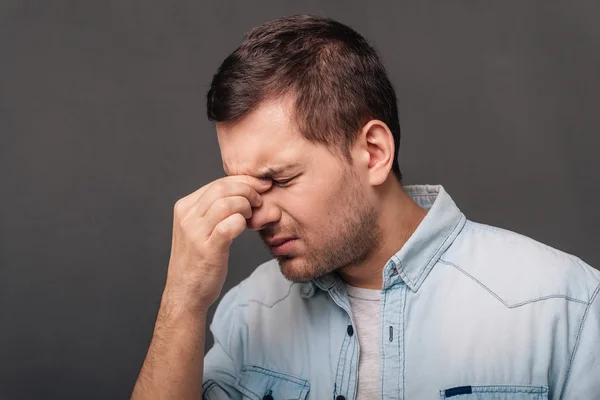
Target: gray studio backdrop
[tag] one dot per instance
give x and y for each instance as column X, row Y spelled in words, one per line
column 103, row 128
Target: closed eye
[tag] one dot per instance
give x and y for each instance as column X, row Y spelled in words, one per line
column 282, row 182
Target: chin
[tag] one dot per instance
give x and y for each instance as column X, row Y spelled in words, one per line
column 294, row 269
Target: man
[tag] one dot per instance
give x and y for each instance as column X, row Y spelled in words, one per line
column 377, row 290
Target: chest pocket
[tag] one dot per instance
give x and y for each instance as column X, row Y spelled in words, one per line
column 263, row 384
column 496, row 392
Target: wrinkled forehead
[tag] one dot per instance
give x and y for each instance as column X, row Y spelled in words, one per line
column 262, row 142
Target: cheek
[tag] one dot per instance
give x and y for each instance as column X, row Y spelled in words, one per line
column 307, row 206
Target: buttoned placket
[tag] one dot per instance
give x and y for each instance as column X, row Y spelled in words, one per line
column 393, row 300
column 392, row 352
column 346, row 377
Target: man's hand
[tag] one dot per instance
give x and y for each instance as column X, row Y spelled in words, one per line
column 204, row 225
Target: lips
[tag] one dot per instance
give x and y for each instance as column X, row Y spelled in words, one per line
column 279, row 240
column 284, row 247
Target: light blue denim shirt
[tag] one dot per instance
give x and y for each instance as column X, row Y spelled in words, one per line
column 468, row 311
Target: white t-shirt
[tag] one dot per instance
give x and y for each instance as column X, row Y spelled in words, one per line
column 366, row 307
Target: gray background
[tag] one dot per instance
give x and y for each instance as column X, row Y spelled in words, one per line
column 103, row 128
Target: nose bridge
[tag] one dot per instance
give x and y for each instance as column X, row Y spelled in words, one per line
column 263, row 215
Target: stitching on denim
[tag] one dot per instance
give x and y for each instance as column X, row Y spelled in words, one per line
column 244, row 389
column 383, row 369
column 403, row 273
column 345, row 305
column 554, row 296
column 351, row 370
column 304, row 392
column 460, row 223
column 340, row 367
column 509, row 389
column 205, row 390
column 342, row 357
column 208, row 382
column 504, row 389
column 267, row 305
column 421, row 276
column 275, row 374
column 577, row 340
column 302, row 384
column 348, row 366
column 404, row 344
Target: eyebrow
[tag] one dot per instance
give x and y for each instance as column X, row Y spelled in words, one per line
column 271, row 171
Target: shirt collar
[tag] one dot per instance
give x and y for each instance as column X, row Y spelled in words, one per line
column 413, row 262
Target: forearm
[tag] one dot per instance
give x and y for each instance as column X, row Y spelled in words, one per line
column 204, row 225
column 173, row 366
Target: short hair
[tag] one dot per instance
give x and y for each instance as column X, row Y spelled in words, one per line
column 336, row 79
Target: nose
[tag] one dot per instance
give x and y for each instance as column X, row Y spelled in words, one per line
column 263, row 215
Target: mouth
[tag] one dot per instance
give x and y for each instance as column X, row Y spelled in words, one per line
column 281, row 246
column 276, row 241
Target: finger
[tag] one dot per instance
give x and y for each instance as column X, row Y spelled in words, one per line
column 225, row 231
column 259, row 185
column 225, row 189
column 224, row 208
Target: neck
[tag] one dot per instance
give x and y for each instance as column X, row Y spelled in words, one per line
column 399, row 217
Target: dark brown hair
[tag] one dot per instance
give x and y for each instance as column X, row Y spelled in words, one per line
column 336, row 78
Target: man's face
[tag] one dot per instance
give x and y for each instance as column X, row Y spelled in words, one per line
column 323, row 204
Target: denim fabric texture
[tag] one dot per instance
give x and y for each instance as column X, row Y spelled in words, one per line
column 468, row 311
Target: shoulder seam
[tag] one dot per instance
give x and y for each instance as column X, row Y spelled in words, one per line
column 554, row 296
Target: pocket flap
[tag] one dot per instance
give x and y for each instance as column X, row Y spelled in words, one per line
column 260, row 383
column 496, row 392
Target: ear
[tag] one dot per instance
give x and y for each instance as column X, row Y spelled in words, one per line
column 376, row 149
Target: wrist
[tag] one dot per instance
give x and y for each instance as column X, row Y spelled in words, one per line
column 177, row 305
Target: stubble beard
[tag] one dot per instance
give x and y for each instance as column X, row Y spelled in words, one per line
column 347, row 239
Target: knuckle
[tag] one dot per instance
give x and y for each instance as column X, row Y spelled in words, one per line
column 179, row 207
column 183, row 226
column 180, row 213
column 221, row 230
column 223, row 205
column 220, row 188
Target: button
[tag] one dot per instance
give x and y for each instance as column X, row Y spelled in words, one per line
column 350, row 331
column 340, row 397
column 268, row 395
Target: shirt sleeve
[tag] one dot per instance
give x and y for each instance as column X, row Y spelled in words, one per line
column 583, row 379
column 220, row 366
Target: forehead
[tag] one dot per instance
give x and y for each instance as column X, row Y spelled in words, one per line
column 262, row 142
